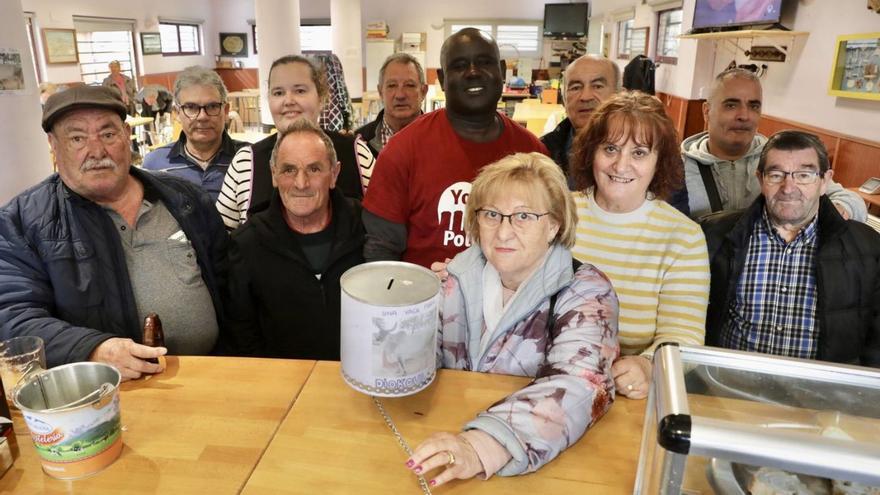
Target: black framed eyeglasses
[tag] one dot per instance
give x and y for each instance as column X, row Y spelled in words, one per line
column 520, row 220
column 191, row 110
column 802, row 177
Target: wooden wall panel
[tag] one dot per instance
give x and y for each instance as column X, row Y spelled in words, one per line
column 239, row 79
column 234, row 79
column 856, row 162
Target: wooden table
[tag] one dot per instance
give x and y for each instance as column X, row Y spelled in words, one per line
column 199, row 427
column 335, row 441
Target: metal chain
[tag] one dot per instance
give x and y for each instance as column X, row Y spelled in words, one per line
column 400, row 440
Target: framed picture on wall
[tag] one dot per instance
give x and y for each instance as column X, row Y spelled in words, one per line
column 60, row 46
column 233, row 45
column 151, row 43
column 856, row 69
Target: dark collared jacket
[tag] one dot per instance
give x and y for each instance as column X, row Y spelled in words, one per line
column 63, row 275
column 277, row 307
column 368, row 133
column 172, row 158
column 847, row 279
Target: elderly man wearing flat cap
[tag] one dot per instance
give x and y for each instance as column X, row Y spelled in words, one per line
column 86, row 254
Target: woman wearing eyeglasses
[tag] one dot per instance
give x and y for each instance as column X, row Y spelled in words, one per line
column 514, row 304
column 297, row 87
column 626, row 161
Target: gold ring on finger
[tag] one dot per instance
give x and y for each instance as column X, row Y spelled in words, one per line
column 451, row 457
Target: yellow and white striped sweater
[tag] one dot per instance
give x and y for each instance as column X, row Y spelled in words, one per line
column 656, row 259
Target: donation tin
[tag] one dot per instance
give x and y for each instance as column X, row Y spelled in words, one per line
column 389, row 322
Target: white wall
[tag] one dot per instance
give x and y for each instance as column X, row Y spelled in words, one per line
column 25, row 150
column 59, row 14
column 798, row 88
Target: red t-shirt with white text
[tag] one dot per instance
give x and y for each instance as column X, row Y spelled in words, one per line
column 423, row 178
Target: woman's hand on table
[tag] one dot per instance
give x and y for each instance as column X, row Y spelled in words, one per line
column 439, row 269
column 437, row 452
column 632, row 376
column 129, row 357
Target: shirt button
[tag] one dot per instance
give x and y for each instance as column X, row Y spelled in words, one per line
column 778, row 328
column 123, row 227
column 783, row 289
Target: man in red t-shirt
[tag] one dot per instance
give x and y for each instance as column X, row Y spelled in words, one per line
column 414, row 206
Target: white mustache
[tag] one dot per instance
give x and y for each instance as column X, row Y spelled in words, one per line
column 94, row 164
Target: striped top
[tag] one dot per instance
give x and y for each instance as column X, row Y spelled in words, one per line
column 657, row 261
column 235, row 194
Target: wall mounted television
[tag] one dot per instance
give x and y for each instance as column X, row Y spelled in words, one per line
column 710, row 15
column 566, row 20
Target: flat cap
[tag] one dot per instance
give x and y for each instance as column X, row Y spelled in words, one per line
column 82, row 97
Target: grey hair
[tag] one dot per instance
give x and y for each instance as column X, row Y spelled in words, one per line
column 303, row 125
column 401, row 58
column 734, row 73
column 618, row 80
column 198, row 76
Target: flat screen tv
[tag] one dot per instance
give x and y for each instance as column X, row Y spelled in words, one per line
column 711, row 14
column 566, row 20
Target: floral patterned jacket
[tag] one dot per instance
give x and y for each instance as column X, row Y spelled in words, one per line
column 571, row 364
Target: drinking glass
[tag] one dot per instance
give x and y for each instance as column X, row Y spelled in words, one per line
column 19, row 355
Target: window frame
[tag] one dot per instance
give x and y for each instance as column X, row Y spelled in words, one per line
column 624, row 38
column 303, row 23
column 177, row 25
column 661, row 39
column 494, row 24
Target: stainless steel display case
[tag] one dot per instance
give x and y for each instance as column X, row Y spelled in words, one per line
column 714, row 416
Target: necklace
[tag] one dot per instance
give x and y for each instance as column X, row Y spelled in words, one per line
column 400, row 440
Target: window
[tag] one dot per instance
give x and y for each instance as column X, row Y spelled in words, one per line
column 668, row 30
column 631, row 41
column 179, row 39
column 624, row 38
column 99, row 42
column 314, row 36
column 515, row 38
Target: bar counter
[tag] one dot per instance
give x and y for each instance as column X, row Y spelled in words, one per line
column 233, row 425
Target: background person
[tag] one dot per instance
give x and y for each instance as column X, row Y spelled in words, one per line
column 402, row 88
column 204, row 150
column 122, row 83
column 720, row 163
column 625, row 163
column 297, row 88
column 512, row 304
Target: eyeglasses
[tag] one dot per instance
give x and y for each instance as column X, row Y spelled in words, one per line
column 802, row 177
column 521, row 220
column 191, row 110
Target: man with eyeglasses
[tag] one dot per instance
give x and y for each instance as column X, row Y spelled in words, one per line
column 204, row 150
column 89, row 252
column 720, row 163
column 791, row 276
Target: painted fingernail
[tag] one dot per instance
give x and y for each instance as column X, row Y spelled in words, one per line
column 418, row 469
column 433, row 482
column 410, row 463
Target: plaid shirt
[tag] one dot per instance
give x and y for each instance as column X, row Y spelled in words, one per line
column 384, row 132
column 774, row 310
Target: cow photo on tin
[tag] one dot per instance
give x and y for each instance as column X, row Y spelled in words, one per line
column 403, row 346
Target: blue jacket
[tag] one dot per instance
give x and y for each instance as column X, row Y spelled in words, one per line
column 172, row 158
column 63, row 275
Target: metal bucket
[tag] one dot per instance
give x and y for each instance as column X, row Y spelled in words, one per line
column 72, row 412
column 389, row 321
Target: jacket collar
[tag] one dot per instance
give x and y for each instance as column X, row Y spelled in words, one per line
column 277, row 236
column 227, row 147
column 831, row 224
